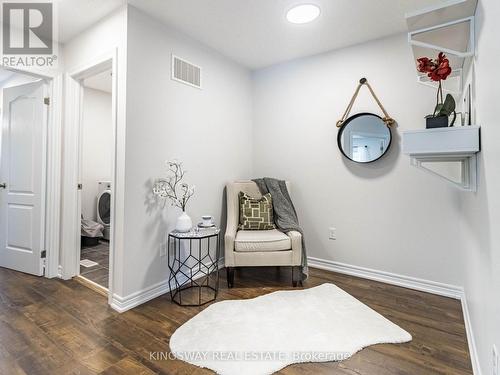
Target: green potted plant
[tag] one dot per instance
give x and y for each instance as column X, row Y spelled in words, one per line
column 438, row 70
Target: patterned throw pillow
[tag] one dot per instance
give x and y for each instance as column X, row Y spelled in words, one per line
column 256, row 214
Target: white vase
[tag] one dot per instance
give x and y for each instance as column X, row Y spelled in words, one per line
column 184, row 223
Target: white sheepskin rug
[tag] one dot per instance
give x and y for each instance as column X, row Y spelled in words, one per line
column 262, row 335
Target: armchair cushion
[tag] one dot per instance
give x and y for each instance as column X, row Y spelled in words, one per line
column 261, row 240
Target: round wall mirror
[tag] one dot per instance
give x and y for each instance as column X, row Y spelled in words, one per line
column 364, row 138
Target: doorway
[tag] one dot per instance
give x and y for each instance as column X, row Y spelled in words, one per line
column 96, row 171
column 81, row 193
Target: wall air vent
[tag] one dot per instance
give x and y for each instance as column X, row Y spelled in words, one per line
column 185, row 72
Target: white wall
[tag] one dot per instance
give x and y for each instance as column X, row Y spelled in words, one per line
column 480, row 216
column 208, row 129
column 107, row 34
column 389, row 216
column 97, row 147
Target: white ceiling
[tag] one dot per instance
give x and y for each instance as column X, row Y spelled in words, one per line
column 255, row 33
column 100, row 81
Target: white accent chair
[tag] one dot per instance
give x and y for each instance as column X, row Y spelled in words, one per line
column 250, row 248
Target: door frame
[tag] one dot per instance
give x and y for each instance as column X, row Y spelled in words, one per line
column 71, row 229
column 52, row 199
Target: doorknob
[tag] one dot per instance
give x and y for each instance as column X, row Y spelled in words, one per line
column 3, row 186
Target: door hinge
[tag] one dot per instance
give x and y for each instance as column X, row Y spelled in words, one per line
column 79, row 186
column 46, row 100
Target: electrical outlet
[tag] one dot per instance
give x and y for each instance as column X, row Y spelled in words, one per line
column 333, row 233
column 495, row 361
column 163, row 250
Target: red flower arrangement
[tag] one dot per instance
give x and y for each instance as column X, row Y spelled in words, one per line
column 438, row 70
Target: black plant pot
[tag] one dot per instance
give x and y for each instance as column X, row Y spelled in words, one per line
column 436, row 122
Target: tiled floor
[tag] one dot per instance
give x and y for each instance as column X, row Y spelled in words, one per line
column 99, row 254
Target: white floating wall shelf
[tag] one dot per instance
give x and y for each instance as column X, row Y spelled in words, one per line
column 446, row 145
column 447, row 28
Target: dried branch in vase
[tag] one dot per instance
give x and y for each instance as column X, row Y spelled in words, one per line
column 172, row 188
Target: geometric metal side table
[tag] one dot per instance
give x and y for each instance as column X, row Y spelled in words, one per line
column 193, row 261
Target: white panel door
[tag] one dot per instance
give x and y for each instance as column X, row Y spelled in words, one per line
column 22, row 177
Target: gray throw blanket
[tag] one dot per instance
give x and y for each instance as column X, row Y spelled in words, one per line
column 285, row 216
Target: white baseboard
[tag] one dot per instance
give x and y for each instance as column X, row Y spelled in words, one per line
column 422, row 285
column 470, row 337
column 441, row 289
column 122, row 304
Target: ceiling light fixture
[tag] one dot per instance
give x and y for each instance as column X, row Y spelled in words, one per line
column 303, row 13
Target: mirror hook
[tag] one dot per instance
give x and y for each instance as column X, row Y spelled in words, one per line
column 388, row 120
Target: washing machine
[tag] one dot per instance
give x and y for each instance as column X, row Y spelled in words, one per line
column 104, row 206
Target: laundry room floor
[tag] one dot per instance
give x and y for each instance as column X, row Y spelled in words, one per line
column 99, row 254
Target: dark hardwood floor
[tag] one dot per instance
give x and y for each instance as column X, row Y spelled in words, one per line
column 99, row 254
column 61, row 327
